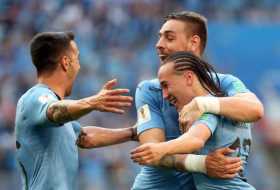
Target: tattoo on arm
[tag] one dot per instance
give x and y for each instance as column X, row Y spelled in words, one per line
column 58, row 113
column 172, row 162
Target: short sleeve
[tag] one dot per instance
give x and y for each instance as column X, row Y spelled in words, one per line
column 148, row 108
column 210, row 120
column 231, row 85
column 77, row 127
column 37, row 105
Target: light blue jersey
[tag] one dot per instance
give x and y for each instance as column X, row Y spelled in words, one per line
column 46, row 152
column 225, row 133
column 153, row 111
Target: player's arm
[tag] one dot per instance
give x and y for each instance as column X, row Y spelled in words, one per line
column 149, row 116
column 107, row 100
column 244, row 107
column 240, row 105
column 191, row 141
column 215, row 164
column 94, row 137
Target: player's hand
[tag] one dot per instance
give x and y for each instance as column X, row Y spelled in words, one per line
column 111, row 100
column 148, row 154
column 218, row 165
column 188, row 114
column 83, row 140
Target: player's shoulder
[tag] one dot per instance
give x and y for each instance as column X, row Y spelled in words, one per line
column 226, row 77
column 39, row 93
column 152, row 84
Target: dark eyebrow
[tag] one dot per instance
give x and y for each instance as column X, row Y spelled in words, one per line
column 166, row 32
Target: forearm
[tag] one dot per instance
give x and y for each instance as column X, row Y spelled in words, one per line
column 93, row 137
column 184, row 162
column 244, row 107
column 68, row 110
column 184, row 144
column 175, row 161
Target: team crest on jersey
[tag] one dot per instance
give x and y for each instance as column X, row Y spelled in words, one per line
column 143, row 114
column 45, row 98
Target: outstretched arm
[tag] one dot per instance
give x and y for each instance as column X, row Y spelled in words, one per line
column 107, row 100
column 94, row 137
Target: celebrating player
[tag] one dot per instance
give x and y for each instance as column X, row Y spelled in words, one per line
column 45, row 126
column 183, row 77
column 158, row 120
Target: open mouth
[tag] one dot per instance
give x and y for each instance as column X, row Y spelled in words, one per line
column 162, row 57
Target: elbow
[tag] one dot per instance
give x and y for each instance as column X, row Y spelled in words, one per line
column 259, row 112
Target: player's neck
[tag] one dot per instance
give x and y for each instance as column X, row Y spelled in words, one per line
column 56, row 84
column 198, row 90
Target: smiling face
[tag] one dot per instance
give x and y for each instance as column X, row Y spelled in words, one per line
column 174, row 36
column 176, row 88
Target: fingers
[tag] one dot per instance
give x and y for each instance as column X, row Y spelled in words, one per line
column 117, row 104
column 228, row 176
column 110, row 84
column 119, row 98
column 233, row 160
column 139, row 149
column 235, row 169
column 225, row 151
column 135, row 155
column 113, row 110
column 118, row 91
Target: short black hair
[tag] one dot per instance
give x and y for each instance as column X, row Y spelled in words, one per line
column 197, row 21
column 47, row 47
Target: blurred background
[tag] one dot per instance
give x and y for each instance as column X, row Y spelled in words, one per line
column 116, row 39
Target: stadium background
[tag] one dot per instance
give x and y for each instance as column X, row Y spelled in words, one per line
column 116, row 39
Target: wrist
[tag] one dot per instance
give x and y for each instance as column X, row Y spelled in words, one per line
column 167, row 147
column 133, row 131
column 195, row 163
column 208, row 104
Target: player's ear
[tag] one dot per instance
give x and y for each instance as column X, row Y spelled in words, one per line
column 195, row 43
column 64, row 62
column 188, row 76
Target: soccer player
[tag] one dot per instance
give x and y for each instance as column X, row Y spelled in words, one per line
column 45, row 123
column 183, row 77
column 158, row 120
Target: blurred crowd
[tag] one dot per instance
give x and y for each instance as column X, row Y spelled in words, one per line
column 116, row 40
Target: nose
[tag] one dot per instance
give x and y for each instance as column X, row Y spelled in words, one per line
column 159, row 44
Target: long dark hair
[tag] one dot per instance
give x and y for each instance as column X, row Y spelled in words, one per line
column 206, row 74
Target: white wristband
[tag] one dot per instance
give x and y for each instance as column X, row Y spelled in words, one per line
column 208, row 104
column 195, row 163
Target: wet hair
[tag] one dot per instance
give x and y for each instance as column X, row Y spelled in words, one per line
column 46, row 49
column 197, row 22
column 206, row 74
